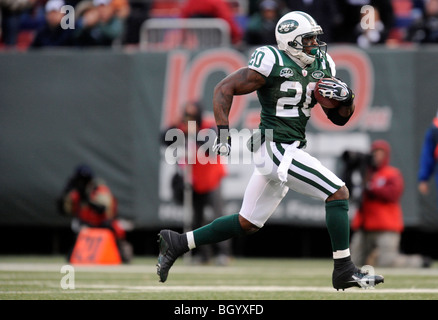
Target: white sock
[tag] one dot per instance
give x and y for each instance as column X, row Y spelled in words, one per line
column 191, row 240
column 339, row 254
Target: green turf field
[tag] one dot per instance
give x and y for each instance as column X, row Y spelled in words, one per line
column 38, row 278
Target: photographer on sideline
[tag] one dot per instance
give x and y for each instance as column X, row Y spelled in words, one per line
column 378, row 222
column 91, row 203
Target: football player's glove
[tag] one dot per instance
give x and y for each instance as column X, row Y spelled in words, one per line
column 222, row 144
column 336, row 89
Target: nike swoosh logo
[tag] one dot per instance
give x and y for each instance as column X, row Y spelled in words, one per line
column 365, row 282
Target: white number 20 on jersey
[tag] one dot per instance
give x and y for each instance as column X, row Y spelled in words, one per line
column 288, row 106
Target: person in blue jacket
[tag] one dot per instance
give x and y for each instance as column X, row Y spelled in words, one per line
column 428, row 158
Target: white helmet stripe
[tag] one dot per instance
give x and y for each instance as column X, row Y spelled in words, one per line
column 308, row 17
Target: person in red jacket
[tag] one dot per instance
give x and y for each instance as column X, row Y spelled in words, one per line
column 378, row 223
column 213, row 9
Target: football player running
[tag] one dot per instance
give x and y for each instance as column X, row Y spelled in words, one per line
column 284, row 79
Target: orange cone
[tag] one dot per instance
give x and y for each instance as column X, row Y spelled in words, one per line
column 95, row 246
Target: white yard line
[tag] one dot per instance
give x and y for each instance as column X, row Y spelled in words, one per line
column 255, row 289
column 101, row 288
column 147, row 268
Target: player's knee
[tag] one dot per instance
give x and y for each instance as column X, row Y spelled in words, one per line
column 247, row 226
column 341, row 194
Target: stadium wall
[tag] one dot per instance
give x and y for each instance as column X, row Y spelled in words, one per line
column 107, row 109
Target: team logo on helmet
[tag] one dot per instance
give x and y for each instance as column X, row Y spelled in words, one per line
column 287, row 26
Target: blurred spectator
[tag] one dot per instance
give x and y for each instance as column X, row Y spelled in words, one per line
column 97, row 24
column 326, row 13
column 122, row 8
column 53, row 34
column 213, row 9
column 428, row 158
column 369, row 36
column 405, row 13
column 11, row 12
column 139, row 13
column 425, row 28
column 261, row 25
column 253, row 7
column 350, row 29
column 206, row 177
column 378, row 223
column 34, row 17
column 90, row 202
column 72, row 3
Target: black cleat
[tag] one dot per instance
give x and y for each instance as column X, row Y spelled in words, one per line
column 171, row 245
column 354, row 277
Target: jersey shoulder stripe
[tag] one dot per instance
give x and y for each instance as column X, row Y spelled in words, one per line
column 278, row 57
column 331, row 63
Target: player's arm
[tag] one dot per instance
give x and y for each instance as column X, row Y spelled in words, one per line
column 242, row 81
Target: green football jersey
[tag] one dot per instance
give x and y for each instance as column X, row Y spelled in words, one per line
column 287, row 97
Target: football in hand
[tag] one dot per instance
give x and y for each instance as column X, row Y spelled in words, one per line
column 324, row 101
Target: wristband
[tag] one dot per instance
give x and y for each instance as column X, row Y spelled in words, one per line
column 223, row 133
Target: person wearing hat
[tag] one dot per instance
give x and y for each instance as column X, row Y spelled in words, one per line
column 261, row 25
column 52, row 33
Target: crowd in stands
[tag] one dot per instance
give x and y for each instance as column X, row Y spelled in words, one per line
column 31, row 24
